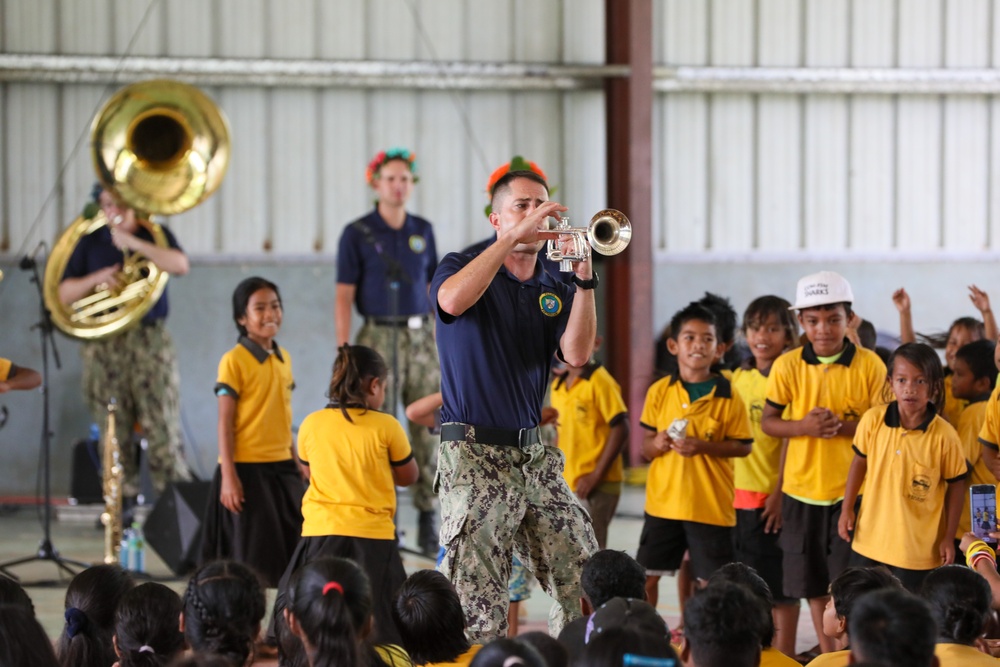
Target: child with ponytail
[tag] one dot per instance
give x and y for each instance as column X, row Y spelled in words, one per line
column 330, row 610
column 147, row 630
column 223, row 608
column 356, row 456
column 91, row 600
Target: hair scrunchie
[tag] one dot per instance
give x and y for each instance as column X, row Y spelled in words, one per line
column 76, row 622
column 513, row 660
column 333, row 586
column 146, row 648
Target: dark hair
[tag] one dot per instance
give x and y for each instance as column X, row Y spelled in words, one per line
column 746, row 576
column 848, row 311
column 960, row 602
column 203, row 660
column 725, row 316
column 894, row 628
column 940, row 340
column 867, row 335
column 553, row 653
column 242, row 294
column 855, row 582
column 147, row 626
column 12, row 594
column 355, row 367
column 690, row 312
column 611, row 646
column 502, row 187
column 928, row 362
column 723, row 624
column 763, row 307
column 498, row 651
column 428, row 614
column 612, row 574
column 331, row 600
column 91, row 600
column 978, row 356
column 223, row 607
column 23, row 642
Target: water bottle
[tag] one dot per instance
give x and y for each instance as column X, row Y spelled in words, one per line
column 123, row 548
column 137, row 549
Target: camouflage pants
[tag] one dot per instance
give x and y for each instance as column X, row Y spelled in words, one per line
column 496, row 501
column 419, row 375
column 138, row 369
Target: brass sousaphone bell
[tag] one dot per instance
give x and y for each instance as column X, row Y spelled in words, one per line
column 160, row 147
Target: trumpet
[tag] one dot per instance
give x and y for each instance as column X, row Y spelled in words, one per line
column 609, row 233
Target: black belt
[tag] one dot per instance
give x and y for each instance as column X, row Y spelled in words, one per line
column 400, row 321
column 505, row 437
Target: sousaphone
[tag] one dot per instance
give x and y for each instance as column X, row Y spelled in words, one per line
column 160, row 147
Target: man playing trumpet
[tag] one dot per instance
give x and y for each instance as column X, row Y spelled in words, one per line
column 137, row 367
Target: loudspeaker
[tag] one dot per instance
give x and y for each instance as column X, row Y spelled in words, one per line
column 173, row 527
column 85, row 482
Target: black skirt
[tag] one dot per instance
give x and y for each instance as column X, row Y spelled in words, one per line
column 264, row 535
column 378, row 558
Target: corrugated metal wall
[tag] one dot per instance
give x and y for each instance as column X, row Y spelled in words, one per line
column 297, row 174
column 793, row 174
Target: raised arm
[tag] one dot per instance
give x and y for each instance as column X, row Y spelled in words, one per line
column 981, row 300
column 23, row 378
column 902, row 301
column 342, row 312
column 577, row 341
column 171, row 260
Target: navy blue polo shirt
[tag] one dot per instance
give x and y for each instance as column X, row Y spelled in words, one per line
column 551, row 266
column 369, row 248
column 97, row 251
column 495, row 357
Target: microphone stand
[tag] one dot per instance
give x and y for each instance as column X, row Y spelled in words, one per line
column 46, row 552
column 395, row 276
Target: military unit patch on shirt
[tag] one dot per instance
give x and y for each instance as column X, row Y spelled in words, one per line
column 550, row 304
column 418, row 243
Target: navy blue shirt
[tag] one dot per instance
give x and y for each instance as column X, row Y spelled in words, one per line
column 551, row 266
column 495, row 357
column 96, row 251
column 369, row 249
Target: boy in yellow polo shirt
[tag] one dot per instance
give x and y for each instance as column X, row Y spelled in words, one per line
column 696, row 425
column 827, row 384
column 592, row 429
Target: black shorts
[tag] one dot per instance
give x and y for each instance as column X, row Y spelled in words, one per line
column 664, row 541
column 760, row 550
column 814, row 553
column 912, row 580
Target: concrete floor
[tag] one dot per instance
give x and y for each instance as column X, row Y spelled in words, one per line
column 75, row 537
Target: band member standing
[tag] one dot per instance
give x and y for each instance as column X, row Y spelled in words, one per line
column 137, row 367
column 385, row 262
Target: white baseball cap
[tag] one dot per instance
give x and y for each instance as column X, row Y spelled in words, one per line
column 822, row 289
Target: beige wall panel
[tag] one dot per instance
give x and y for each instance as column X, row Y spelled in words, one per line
column 921, row 33
column 993, row 232
column 872, row 172
column 732, row 25
column 441, row 36
column 245, row 199
column 681, row 32
column 84, row 27
column 199, row 229
column 344, row 154
column 684, row 151
column 779, row 30
column 583, row 31
column 967, row 33
column 446, row 186
column 292, row 29
column 537, row 118
column 731, row 176
column 489, row 26
column 825, row 194
column 538, row 31
column 190, row 28
column 392, row 33
column 342, row 29
column 242, row 29
column 918, row 173
column 31, row 127
column 146, row 38
column 779, row 173
column 80, row 104
column 827, row 39
column 294, row 181
column 492, row 118
column 30, row 26
column 965, row 177
column 873, row 30
column 584, row 186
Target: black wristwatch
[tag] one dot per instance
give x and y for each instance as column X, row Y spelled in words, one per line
column 586, row 284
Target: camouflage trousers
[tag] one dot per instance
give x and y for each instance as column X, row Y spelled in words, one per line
column 419, row 375
column 497, row 501
column 138, row 369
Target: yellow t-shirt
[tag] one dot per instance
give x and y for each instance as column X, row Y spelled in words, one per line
column 460, row 661
column 900, row 522
column 351, row 491
column 5, row 369
column 757, row 472
column 970, row 423
column 989, row 436
column 262, row 383
column 696, row 488
column 957, row 655
column 587, row 411
column 816, row 468
column 832, row 659
column 772, row 657
column 953, row 407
